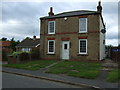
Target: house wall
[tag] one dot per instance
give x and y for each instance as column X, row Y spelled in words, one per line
column 24, row 49
column 102, row 44
column 69, row 29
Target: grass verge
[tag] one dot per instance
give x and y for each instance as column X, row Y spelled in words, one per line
column 32, row 65
column 88, row 70
column 114, row 75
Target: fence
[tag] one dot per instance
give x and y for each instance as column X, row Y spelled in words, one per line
column 114, row 53
column 23, row 57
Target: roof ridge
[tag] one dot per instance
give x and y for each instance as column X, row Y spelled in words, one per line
column 72, row 13
column 75, row 11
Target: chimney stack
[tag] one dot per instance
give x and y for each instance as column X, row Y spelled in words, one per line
column 51, row 12
column 99, row 7
column 34, row 37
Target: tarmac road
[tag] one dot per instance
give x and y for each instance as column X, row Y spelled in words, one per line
column 17, row 81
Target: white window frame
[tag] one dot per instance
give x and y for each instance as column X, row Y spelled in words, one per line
column 49, row 27
column 86, row 26
column 79, row 46
column 53, row 47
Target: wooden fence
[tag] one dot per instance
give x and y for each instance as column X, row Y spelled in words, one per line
column 115, row 54
column 23, row 57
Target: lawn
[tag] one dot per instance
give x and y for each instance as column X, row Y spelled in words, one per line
column 88, row 70
column 114, row 75
column 32, row 65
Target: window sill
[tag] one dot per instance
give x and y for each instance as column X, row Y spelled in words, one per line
column 50, row 53
column 82, row 32
column 50, row 33
column 82, row 54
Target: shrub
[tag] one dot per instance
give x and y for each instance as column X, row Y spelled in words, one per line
column 14, row 54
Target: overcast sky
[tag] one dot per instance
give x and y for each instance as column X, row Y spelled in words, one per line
column 21, row 19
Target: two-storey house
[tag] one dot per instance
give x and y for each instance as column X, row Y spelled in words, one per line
column 74, row 35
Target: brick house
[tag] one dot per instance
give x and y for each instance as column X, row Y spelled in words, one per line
column 5, row 49
column 5, row 46
column 74, row 35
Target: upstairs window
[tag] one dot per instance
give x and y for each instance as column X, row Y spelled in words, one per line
column 51, row 46
column 51, row 27
column 82, row 25
column 83, row 46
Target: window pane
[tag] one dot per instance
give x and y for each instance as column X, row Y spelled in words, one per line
column 51, row 46
column 83, row 24
column 51, row 27
column 83, row 46
column 65, row 46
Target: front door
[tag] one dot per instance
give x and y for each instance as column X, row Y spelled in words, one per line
column 65, row 50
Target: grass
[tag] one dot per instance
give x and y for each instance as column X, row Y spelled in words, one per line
column 32, row 65
column 88, row 70
column 114, row 75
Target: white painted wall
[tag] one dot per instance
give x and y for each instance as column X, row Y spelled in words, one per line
column 102, row 38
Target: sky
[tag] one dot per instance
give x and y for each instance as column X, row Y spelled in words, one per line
column 20, row 19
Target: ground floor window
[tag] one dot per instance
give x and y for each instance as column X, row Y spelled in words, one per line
column 26, row 49
column 51, row 46
column 83, row 46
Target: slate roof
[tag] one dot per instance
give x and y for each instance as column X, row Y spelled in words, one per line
column 28, row 42
column 71, row 13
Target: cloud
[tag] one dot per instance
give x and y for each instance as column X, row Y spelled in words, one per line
column 20, row 31
column 110, row 14
column 0, row 12
column 110, row 8
column 24, row 12
column 112, row 33
column 113, row 42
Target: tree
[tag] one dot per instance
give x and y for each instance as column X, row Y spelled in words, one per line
column 4, row 39
column 108, row 46
column 12, row 39
column 13, row 44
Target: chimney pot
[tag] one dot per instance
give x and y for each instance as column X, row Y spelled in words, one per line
column 99, row 7
column 51, row 12
column 34, row 37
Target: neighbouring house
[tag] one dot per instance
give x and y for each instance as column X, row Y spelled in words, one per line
column 74, row 35
column 28, row 44
column 5, row 46
column 5, row 49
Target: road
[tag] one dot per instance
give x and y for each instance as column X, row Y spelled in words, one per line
column 18, row 81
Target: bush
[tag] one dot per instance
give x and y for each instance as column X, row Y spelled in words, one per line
column 14, row 54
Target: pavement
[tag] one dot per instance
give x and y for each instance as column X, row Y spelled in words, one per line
column 98, row 83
